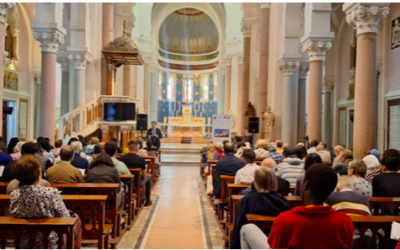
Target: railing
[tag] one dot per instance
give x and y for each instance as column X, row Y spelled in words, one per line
column 82, row 120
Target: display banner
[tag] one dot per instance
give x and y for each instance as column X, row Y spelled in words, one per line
column 221, row 128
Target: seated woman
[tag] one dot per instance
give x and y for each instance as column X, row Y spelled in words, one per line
column 142, row 151
column 32, row 200
column 263, row 200
column 219, row 151
column 261, row 151
column 102, row 170
column 311, row 159
column 357, row 170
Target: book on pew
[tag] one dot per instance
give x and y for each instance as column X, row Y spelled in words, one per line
column 395, row 232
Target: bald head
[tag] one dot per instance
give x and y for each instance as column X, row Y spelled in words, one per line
column 270, row 163
column 67, row 153
column 229, row 148
column 338, row 149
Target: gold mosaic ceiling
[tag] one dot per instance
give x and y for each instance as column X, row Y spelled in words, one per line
column 188, row 31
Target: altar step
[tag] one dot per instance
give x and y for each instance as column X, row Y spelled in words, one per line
column 181, row 155
column 194, row 140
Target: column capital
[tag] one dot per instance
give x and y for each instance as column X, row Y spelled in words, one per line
column 329, row 84
column 246, row 29
column 316, row 49
column 366, row 16
column 49, row 38
column 303, row 70
column 265, row 6
column 64, row 62
column 288, row 66
column 80, row 60
column 4, row 9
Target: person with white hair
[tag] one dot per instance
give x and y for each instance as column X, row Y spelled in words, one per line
column 261, row 151
column 17, row 151
column 324, row 154
column 79, row 162
column 263, row 200
column 338, row 151
column 348, row 201
column 283, row 185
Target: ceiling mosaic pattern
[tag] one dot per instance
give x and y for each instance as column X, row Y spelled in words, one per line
column 188, row 31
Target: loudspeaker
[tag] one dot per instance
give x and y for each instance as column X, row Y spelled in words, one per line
column 254, row 125
column 141, row 122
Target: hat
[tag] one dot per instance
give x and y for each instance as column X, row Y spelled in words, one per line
column 376, row 153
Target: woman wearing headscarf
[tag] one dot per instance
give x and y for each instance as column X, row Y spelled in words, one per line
column 373, row 167
column 11, row 145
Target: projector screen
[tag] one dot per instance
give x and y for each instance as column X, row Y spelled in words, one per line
column 119, row 112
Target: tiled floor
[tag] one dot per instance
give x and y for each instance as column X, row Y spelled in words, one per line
column 181, row 216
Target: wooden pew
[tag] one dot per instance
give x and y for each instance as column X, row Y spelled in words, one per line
column 139, row 190
column 225, row 180
column 3, row 187
column 361, row 223
column 151, row 167
column 127, row 180
column 382, row 205
column 292, row 188
column 109, row 189
column 46, row 225
column 88, row 207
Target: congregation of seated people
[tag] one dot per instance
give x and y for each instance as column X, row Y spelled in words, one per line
column 330, row 183
column 29, row 168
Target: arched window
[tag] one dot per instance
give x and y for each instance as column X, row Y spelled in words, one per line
column 188, row 89
column 204, row 89
column 171, row 89
column 160, row 80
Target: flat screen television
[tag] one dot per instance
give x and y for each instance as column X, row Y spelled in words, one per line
column 119, row 112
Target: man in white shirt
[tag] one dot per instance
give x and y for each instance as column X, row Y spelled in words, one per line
column 324, row 154
column 313, row 147
column 246, row 174
column 338, row 151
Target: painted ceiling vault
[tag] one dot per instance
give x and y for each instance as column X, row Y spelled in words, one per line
column 188, row 31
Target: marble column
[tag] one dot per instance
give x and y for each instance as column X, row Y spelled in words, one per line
column 127, row 78
column 108, row 36
column 65, row 65
column 4, row 9
column 242, row 123
column 288, row 67
column 316, row 51
column 134, row 81
column 227, row 88
column 49, row 39
column 327, row 128
column 366, row 18
column 264, row 50
column 146, row 92
column 301, row 122
column 79, row 62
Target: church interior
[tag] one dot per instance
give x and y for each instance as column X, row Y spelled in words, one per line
column 221, row 121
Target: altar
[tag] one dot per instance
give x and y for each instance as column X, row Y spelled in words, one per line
column 187, row 125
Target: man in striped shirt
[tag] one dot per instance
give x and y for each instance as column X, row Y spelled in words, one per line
column 346, row 200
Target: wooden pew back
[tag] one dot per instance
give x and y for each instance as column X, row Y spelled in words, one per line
column 60, row 226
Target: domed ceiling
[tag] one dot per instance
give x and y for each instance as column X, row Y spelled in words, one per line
column 188, row 31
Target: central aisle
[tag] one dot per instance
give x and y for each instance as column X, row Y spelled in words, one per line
column 181, row 215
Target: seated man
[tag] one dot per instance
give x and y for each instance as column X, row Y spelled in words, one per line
column 133, row 160
column 345, row 158
column 338, row 151
column 229, row 165
column 246, row 174
column 307, row 226
column 387, row 184
column 324, row 154
column 79, row 161
column 291, row 167
column 63, row 171
column 283, row 185
column 346, row 200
